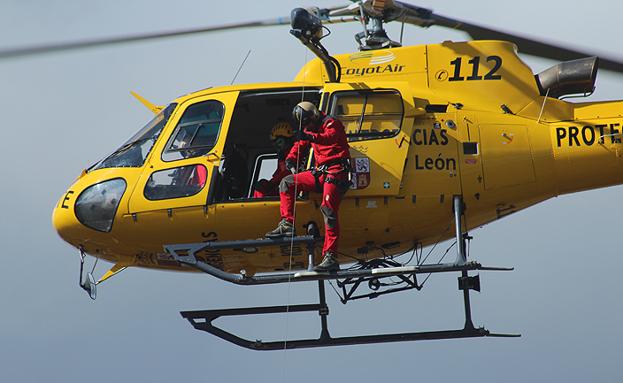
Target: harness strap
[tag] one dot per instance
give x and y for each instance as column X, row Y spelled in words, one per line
column 336, row 161
column 343, row 162
column 342, row 184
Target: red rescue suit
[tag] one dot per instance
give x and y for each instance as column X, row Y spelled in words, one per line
column 330, row 176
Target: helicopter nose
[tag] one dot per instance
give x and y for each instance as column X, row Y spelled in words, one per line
column 63, row 218
column 93, row 208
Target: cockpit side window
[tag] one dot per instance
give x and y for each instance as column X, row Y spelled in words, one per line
column 178, row 182
column 196, row 132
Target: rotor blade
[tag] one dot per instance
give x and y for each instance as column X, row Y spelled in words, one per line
column 374, row 8
column 49, row 48
column 339, row 20
column 527, row 45
column 424, row 17
column 60, row 47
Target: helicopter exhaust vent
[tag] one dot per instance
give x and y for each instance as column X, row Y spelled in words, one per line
column 568, row 78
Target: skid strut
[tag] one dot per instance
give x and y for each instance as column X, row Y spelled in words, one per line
column 203, row 319
column 461, row 259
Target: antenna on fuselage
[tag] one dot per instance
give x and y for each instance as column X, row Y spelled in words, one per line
column 240, row 67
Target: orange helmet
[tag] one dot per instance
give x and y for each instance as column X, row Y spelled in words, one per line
column 281, row 129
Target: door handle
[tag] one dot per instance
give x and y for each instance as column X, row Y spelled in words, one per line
column 212, row 157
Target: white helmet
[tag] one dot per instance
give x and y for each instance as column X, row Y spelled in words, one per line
column 305, row 113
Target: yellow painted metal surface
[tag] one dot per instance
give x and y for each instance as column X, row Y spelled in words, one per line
column 475, row 125
column 506, row 155
column 116, row 269
column 149, row 105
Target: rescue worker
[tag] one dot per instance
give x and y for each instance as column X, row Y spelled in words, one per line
column 235, row 171
column 282, row 138
column 330, row 176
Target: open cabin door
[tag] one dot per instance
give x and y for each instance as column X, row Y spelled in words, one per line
column 183, row 163
column 379, row 123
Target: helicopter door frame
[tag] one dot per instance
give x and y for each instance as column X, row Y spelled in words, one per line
column 257, row 167
column 385, row 157
column 139, row 203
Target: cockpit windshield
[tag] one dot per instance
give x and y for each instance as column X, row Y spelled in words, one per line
column 134, row 152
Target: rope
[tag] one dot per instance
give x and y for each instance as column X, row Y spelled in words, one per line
column 285, row 342
column 439, row 262
column 433, row 248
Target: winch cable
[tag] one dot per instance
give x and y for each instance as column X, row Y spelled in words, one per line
column 298, row 158
column 414, row 253
column 435, row 245
column 438, row 262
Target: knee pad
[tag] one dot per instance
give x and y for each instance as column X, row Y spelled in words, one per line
column 329, row 215
column 286, row 183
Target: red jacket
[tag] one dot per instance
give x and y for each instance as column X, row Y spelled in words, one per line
column 329, row 143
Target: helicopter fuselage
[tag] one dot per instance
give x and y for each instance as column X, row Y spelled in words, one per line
column 426, row 123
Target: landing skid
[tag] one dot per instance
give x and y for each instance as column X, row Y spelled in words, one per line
column 370, row 273
column 203, row 320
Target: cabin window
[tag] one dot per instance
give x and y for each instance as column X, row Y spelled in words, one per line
column 196, row 132
column 368, row 114
column 177, row 182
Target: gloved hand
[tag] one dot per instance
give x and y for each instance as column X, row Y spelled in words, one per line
column 302, row 136
column 291, row 166
column 262, row 185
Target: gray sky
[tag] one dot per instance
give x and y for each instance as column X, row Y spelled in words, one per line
column 63, row 112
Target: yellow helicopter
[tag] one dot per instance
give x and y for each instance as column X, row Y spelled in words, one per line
column 451, row 136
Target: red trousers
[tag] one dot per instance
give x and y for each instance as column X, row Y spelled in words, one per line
column 332, row 193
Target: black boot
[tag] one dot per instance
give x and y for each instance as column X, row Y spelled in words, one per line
column 329, row 263
column 284, row 229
